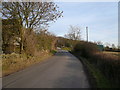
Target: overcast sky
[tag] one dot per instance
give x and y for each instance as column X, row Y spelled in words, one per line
column 100, row 17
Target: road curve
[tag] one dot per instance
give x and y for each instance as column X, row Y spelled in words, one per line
column 62, row 70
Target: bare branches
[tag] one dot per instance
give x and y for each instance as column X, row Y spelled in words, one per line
column 31, row 14
column 74, row 33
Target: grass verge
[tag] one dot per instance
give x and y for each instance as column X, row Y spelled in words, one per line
column 15, row 62
column 101, row 81
column 96, row 78
column 66, row 48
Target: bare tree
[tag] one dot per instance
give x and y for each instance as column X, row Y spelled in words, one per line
column 30, row 14
column 74, row 33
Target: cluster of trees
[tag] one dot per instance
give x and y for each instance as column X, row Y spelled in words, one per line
column 21, row 20
column 38, row 42
column 64, row 42
column 32, row 41
column 71, row 38
column 31, row 14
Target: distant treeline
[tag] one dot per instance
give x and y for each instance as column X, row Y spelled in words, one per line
column 111, row 49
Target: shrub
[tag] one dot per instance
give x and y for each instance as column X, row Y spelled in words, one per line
column 107, row 64
column 85, row 49
column 46, row 41
column 30, row 42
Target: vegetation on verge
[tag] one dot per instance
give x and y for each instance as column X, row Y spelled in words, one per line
column 26, row 40
column 15, row 62
column 104, row 67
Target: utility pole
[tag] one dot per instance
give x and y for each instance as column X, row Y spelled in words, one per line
column 87, row 33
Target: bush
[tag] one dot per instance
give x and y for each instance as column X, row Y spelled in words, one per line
column 53, row 52
column 85, row 49
column 46, row 41
column 30, row 42
column 107, row 64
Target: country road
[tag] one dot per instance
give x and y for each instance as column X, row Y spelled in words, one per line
column 62, row 70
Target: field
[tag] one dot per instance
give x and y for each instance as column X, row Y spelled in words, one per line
column 112, row 53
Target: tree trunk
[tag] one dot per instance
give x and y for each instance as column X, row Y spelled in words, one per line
column 21, row 36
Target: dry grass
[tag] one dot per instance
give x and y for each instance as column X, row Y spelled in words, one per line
column 111, row 53
column 109, row 64
column 15, row 62
column 0, row 66
column 108, row 55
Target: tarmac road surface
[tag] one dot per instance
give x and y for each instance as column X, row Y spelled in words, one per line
column 63, row 70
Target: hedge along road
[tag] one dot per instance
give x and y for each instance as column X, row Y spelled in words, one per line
column 63, row 70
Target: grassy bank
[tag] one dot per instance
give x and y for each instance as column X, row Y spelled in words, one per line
column 95, row 77
column 66, row 48
column 103, row 66
column 15, row 62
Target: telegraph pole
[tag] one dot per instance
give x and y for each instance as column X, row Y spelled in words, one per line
column 87, row 34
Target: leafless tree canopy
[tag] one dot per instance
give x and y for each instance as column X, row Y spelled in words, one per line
column 31, row 14
column 74, row 33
